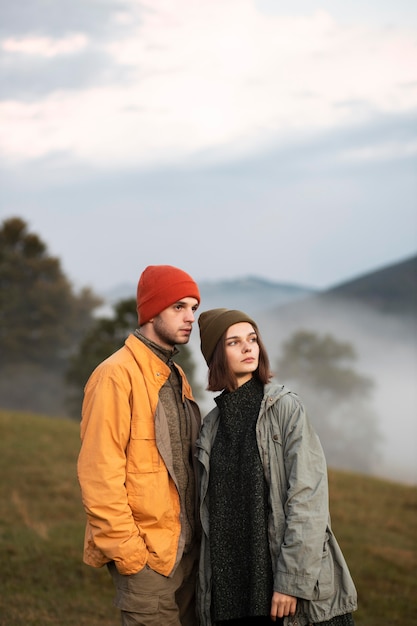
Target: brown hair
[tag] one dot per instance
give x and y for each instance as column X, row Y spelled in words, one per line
column 220, row 376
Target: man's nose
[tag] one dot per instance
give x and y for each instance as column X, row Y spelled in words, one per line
column 190, row 315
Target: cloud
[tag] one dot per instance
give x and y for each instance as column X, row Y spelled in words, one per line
column 197, row 76
column 32, row 81
column 58, row 19
column 300, row 212
column 45, row 46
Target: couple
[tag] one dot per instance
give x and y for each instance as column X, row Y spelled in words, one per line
column 227, row 524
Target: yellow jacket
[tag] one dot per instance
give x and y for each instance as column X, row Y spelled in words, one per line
column 125, row 466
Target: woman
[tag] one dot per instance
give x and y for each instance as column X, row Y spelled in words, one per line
column 268, row 551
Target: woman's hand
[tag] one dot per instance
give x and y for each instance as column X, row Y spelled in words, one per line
column 282, row 605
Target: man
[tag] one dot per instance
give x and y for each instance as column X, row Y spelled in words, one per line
column 136, row 464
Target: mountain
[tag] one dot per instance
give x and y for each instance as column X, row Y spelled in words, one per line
column 381, row 305
column 384, row 301
column 250, row 293
column 392, row 289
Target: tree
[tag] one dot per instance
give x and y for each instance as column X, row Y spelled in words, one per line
column 41, row 320
column 105, row 337
column 336, row 396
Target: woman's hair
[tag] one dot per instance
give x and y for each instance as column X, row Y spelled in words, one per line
column 220, row 375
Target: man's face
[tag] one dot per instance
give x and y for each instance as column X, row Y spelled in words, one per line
column 174, row 324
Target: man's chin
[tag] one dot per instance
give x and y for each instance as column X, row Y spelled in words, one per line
column 183, row 340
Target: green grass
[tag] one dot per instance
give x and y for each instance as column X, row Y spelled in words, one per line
column 42, row 527
column 43, row 579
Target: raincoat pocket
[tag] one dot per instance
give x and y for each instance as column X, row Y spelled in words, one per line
column 324, row 587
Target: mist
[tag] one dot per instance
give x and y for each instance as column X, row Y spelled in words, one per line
column 386, row 352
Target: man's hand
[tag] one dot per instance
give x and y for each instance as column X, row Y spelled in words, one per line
column 282, row 605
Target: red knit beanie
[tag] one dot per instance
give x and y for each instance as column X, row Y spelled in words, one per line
column 160, row 286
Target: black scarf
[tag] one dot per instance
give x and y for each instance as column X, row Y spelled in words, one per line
column 241, row 565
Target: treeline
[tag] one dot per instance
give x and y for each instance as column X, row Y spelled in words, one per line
column 50, row 340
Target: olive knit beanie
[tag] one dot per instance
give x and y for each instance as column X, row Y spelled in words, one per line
column 214, row 323
column 160, row 286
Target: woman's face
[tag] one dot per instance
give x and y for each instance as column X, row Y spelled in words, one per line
column 242, row 351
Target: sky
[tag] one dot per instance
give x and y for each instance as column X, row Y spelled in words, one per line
column 230, row 138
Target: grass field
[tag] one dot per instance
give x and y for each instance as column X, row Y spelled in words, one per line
column 43, row 579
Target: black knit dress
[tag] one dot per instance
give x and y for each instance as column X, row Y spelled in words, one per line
column 242, row 582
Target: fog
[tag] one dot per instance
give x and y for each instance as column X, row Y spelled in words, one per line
column 386, row 351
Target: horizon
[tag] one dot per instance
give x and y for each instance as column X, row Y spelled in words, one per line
column 258, row 278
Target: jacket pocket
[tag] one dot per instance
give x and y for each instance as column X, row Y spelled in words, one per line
column 143, row 455
column 325, row 584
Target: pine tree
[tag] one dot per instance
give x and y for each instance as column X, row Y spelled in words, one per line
column 41, row 320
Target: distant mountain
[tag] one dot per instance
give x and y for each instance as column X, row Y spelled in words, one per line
column 371, row 311
column 392, row 289
column 250, row 294
column 388, row 295
column 123, row 291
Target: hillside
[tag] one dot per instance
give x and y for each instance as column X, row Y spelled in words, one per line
column 392, row 289
column 45, row 583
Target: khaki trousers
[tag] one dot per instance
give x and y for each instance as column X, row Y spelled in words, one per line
column 150, row 599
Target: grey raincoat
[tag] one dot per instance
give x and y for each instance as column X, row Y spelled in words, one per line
column 306, row 558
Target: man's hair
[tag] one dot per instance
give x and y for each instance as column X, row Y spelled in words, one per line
column 220, row 375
